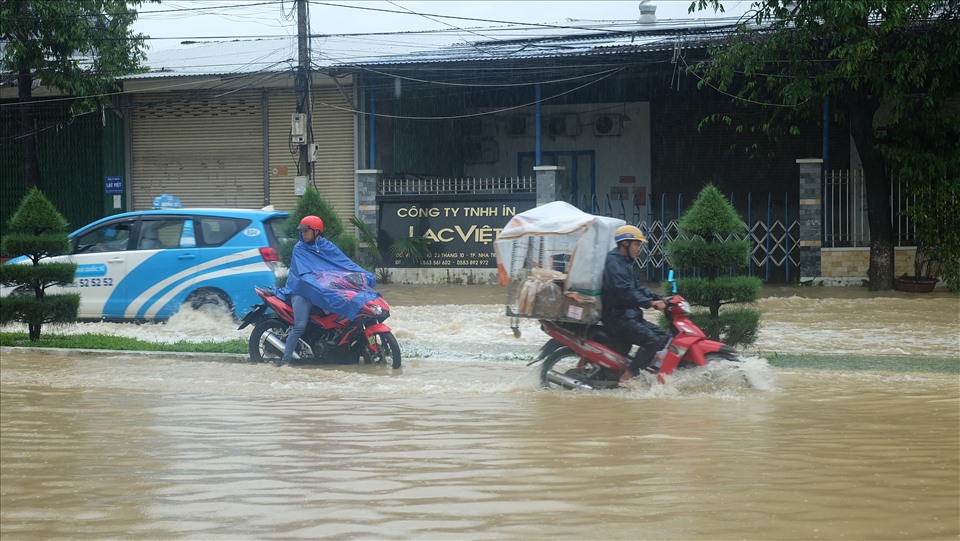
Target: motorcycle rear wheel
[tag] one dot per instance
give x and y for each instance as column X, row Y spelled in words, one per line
column 388, row 349
column 560, row 371
column 260, row 351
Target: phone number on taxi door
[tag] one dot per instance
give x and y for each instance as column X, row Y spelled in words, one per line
column 95, row 282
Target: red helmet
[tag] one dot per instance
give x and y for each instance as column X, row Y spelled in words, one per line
column 311, row 222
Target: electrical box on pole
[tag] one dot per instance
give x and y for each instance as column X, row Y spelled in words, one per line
column 300, row 185
column 298, row 128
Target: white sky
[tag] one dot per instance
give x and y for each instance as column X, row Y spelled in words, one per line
column 172, row 21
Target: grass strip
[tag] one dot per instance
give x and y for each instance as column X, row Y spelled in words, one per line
column 119, row 343
column 891, row 363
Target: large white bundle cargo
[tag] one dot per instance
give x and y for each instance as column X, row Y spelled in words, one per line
column 551, row 258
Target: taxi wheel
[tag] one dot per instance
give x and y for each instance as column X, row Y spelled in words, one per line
column 210, row 301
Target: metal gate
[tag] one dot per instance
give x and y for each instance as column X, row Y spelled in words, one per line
column 770, row 227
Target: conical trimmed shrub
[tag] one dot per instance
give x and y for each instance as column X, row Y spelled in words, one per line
column 38, row 231
column 711, row 245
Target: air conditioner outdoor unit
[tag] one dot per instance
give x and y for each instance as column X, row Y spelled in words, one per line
column 605, row 125
column 481, row 151
column 483, row 126
column 517, row 126
column 566, row 125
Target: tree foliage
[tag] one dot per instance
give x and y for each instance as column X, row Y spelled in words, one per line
column 875, row 60
column 38, row 231
column 926, row 154
column 77, row 47
column 709, row 245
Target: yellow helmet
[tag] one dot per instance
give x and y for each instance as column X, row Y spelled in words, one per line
column 628, row 232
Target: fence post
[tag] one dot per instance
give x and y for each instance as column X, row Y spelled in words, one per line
column 367, row 210
column 811, row 217
column 551, row 185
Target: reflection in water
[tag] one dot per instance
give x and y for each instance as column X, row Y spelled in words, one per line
column 460, row 444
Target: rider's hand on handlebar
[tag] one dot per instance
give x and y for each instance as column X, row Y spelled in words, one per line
column 658, row 305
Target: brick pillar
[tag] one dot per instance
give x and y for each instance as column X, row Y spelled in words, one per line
column 367, row 180
column 811, row 217
column 551, row 184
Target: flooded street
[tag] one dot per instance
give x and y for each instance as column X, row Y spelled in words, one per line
column 461, row 444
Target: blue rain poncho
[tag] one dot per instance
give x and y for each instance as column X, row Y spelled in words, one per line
column 329, row 279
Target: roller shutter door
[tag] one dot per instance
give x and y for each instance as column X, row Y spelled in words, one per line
column 205, row 148
column 334, row 170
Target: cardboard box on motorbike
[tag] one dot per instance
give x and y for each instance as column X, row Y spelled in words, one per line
column 551, row 260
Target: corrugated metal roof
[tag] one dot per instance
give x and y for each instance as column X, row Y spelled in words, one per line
column 609, row 43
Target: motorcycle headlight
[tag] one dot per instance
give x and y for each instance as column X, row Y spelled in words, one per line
column 685, row 307
column 376, row 310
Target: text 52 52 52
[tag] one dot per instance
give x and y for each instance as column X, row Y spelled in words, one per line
column 95, row 282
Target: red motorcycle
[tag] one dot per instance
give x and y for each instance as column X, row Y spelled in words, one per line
column 327, row 338
column 581, row 356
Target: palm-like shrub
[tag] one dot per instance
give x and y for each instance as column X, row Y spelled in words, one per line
column 708, row 247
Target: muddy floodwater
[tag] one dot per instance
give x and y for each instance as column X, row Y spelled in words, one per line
column 461, row 444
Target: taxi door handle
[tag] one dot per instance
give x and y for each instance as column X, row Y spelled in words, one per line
column 185, row 257
column 115, row 260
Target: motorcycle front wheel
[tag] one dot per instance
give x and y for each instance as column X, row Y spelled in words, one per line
column 388, row 350
column 260, row 350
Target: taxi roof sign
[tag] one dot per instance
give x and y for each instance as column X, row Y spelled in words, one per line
column 166, row 201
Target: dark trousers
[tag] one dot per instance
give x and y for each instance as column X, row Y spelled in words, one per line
column 649, row 336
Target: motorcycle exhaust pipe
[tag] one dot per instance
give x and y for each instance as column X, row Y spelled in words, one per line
column 566, row 381
column 278, row 345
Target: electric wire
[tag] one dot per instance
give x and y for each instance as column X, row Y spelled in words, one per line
column 288, row 16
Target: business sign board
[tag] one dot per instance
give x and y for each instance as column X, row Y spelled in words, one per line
column 113, row 185
column 460, row 228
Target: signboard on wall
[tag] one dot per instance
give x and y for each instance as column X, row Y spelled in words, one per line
column 113, row 185
column 461, row 229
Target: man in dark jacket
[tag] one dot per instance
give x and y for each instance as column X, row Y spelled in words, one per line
column 624, row 297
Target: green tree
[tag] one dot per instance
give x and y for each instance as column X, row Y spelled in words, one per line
column 866, row 56
column 38, row 231
column 926, row 155
column 77, row 47
column 709, row 245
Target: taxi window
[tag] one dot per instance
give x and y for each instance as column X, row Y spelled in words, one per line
column 160, row 234
column 112, row 237
column 216, row 230
column 275, row 231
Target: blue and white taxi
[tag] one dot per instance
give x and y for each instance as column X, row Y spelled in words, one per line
column 147, row 264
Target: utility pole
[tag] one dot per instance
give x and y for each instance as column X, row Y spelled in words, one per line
column 302, row 83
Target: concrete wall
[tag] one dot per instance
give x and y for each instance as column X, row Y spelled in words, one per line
column 846, row 264
column 621, row 158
